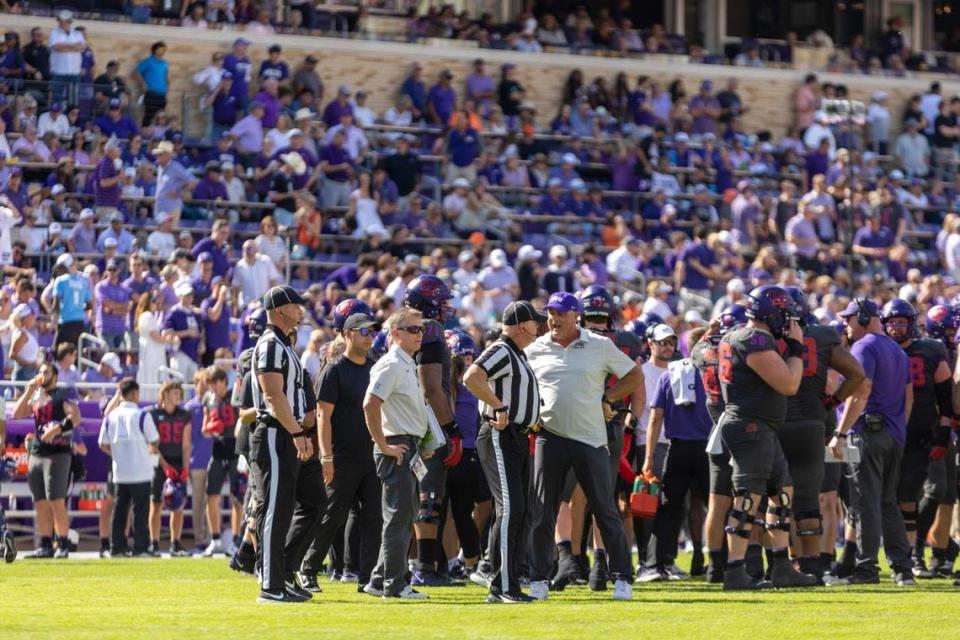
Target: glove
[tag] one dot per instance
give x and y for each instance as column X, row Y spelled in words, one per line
column 532, row 440
column 455, row 451
column 215, row 426
column 937, row 453
column 184, row 474
column 170, row 472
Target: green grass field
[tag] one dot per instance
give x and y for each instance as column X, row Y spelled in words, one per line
column 193, row 598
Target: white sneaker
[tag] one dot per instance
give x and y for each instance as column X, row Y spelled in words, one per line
column 348, row 577
column 215, row 546
column 409, row 593
column 230, row 550
column 622, row 590
column 650, row 575
column 676, row 574
column 539, row 589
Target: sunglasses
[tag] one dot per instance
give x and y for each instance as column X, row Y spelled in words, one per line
column 415, row 329
column 365, row 331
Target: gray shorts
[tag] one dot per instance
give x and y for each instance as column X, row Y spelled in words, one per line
column 49, row 476
column 435, row 481
column 941, row 482
column 802, row 444
column 721, row 474
column 758, row 463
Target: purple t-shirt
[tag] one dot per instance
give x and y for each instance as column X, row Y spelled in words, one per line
column 217, row 332
column 333, row 111
column 887, row 366
column 139, row 287
column 221, row 265
column 683, row 422
column 335, row 156
column 180, row 319
column 110, row 322
column 442, row 99
column 467, row 414
column 271, row 108
column 704, row 124
column 693, row 279
column 106, row 196
column 202, row 446
column 208, row 189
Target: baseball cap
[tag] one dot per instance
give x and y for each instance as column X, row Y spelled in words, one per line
column 856, row 305
column 569, row 158
column 344, row 90
column 65, row 15
column 86, row 214
column 558, row 251
column 310, row 59
column 693, row 317
column 521, row 311
column 183, row 288
column 662, row 332
column 56, row 107
column 663, row 287
column 112, row 360
column 114, row 103
column 57, row 189
column 116, row 216
column 896, row 174
column 240, row 41
column 465, row 256
column 55, row 227
column 112, row 265
column 280, row 296
column 498, row 258
column 274, row 48
column 529, row 252
column 162, row 216
column 563, row 301
column 65, row 261
column 736, row 285
column 110, row 242
column 359, row 321
column 461, row 183
column 681, row 137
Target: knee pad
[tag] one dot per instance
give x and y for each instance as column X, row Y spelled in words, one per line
column 429, row 511
column 909, row 519
column 742, row 520
column 815, row 530
column 781, row 512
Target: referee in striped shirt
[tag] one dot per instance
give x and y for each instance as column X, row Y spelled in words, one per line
column 509, row 398
column 278, row 442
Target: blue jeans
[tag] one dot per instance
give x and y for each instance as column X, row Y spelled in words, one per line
column 113, row 340
column 64, row 87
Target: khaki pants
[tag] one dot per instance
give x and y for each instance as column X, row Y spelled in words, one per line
column 453, row 172
column 198, row 506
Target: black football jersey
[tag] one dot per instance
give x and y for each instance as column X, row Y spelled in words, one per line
column 818, row 344
column 705, row 357
column 746, row 395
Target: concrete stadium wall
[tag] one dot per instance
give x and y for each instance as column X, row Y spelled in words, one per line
column 380, row 67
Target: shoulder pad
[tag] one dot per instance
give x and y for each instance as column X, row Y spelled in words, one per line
column 433, row 332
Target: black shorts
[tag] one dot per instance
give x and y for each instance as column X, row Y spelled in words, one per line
column 913, row 470
column 220, row 469
column 758, row 463
column 832, row 473
column 468, row 473
column 159, row 477
column 941, row 483
column 721, row 474
column 111, row 485
column 803, row 448
column 435, row 480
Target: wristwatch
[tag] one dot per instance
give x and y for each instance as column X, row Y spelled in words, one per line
column 503, row 409
column 839, row 434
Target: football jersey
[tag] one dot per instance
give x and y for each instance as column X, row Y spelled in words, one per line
column 924, row 356
column 434, row 350
column 746, row 395
column 46, row 408
column 224, row 443
column 171, row 426
column 706, row 360
column 818, row 344
column 629, row 344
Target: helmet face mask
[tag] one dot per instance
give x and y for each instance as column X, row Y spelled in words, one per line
column 430, row 296
column 732, row 317
column 899, row 320
column 773, row 306
column 598, row 306
column 941, row 323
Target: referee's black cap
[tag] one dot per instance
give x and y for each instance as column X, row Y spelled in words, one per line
column 281, row 295
column 521, row 311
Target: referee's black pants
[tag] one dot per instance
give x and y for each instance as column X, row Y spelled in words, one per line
column 351, row 481
column 504, row 456
column 687, row 468
column 311, row 500
column 275, row 466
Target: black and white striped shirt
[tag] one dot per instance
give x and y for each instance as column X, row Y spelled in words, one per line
column 512, row 381
column 274, row 354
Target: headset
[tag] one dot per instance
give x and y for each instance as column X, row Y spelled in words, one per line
column 863, row 315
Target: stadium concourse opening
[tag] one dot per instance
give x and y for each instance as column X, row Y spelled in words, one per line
column 366, row 302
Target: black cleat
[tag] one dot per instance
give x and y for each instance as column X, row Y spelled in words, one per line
column 737, row 579
column 598, row 572
column 308, row 582
column 291, row 586
column 243, row 564
column 509, row 598
column 43, row 553
column 432, row 579
column 784, row 576
column 714, row 574
column 697, row 567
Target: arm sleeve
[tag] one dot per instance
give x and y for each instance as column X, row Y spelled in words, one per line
column 328, row 385
column 382, row 382
column 495, row 362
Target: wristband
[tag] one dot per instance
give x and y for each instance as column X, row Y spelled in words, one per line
column 503, row 409
column 326, row 458
column 794, row 348
column 839, row 434
column 451, row 429
column 299, row 434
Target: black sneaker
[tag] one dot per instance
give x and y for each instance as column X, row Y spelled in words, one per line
column 43, row 553
column 62, row 553
column 9, row 546
column 598, row 572
column 714, row 574
column 432, row 579
column 308, row 582
column 291, row 586
column 243, row 564
column 583, row 569
column 784, row 576
column 939, row 567
column 153, row 552
column 277, row 596
column 509, row 598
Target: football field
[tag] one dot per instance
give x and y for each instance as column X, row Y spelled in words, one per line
column 200, row 598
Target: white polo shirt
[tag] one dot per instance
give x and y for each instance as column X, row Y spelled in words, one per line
column 128, row 430
column 65, row 63
column 394, row 380
column 572, row 381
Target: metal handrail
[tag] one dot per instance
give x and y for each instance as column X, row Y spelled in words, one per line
column 173, row 373
column 89, row 337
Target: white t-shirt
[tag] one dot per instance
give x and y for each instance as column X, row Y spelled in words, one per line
column 255, row 279
column 651, row 376
column 161, row 243
column 8, row 218
column 659, row 307
column 59, row 125
column 66, row 63
column 129, row 430
column 394, row 380
column 572, row 380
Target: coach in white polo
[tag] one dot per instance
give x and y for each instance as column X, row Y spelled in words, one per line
column 572, row 365
column 396, row 416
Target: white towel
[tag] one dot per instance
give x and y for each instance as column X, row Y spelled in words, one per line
column 683, row 382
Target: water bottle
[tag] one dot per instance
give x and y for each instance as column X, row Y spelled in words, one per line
column 12, row 502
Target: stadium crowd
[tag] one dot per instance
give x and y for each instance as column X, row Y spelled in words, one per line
column 138, row 259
